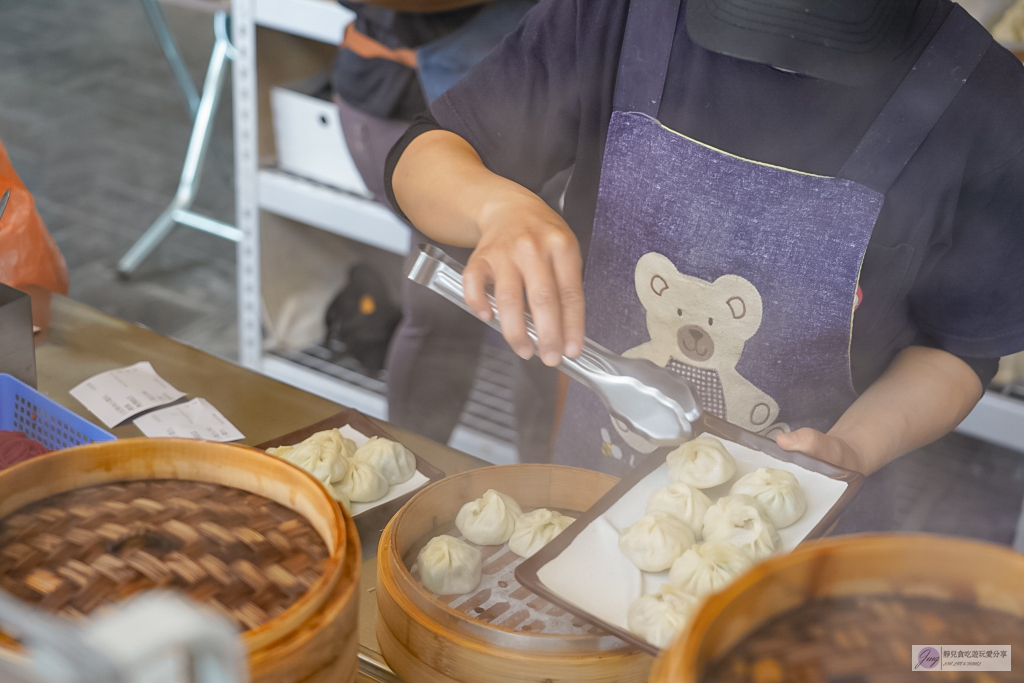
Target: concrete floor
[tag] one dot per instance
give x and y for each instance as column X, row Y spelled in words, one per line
column 95, row 124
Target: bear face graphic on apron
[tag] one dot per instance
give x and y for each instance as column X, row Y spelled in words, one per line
column 740, row 276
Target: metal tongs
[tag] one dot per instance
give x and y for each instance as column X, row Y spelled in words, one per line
column 650, row 401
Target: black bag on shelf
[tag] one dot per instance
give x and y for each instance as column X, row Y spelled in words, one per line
column 362, row 318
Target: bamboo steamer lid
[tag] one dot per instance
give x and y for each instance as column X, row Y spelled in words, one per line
column 899, row 565
column 313, row 639
column 424, row 639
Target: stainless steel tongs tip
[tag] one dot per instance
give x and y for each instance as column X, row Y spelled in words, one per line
column 650, row 401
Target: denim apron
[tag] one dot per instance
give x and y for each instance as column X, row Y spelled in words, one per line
column 740, row 276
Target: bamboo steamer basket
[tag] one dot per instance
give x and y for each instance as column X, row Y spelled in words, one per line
column 904, row 565
column 427, row 641
column 316, row 638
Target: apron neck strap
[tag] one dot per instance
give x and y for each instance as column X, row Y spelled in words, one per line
column 646, row 48
column 918, row 103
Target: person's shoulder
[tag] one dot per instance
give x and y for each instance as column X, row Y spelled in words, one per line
column 602, row 11
column 999, row 78
column 588, row 32
column 600, row 24
column 990, row 108
column 588, row 12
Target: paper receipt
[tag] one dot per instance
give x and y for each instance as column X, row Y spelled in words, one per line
column 196, row 419
column 117, row 395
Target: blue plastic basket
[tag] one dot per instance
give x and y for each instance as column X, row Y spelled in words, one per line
column 24, row 409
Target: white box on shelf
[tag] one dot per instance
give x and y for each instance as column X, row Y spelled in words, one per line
column 307, row 131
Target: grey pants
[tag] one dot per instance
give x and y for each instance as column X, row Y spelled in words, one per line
column 369, row 140
column 433, row 356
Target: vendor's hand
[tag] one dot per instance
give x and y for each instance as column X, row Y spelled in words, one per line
column 524, row 244
column 822, row 446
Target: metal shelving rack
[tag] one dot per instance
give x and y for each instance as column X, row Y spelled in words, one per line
column 278, row 192
column 485, row 428
column 998, row 418
column 299, row 199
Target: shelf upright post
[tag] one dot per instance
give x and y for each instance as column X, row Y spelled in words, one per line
column 250, row 302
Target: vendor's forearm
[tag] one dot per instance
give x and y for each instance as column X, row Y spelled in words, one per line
column 521, row 246
column 443, row 187
column 924, row 394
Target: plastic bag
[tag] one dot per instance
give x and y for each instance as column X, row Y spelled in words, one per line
column 29, row 258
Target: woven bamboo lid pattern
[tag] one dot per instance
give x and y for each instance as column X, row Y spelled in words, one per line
column 862, row 638
column 245, row 555
column 877, row 585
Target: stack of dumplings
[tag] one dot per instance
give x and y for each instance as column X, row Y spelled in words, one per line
column 352, row 474
column 492, row 519
column 705, row 545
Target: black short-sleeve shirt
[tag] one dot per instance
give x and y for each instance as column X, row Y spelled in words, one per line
column 944, row 265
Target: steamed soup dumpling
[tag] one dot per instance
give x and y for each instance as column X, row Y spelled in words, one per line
column 328, row 469
column 333, row 442
column 740, row 520
column 340, row 496
column 683, row 502
column 659, row 617
column 324, row 455
column 778, row 492
column 534, row 530
column 655, row 541
column 321, row 461
column 449, row 565
column 305, row 456
column 490, row 519
column 708, row 567
column 702, row 463
column 390, row 458
column 363, row 483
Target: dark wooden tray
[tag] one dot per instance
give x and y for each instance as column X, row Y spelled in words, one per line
column 526, row 573
column 371, row 522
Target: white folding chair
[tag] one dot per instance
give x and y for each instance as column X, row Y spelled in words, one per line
column 203, row 109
